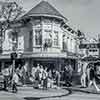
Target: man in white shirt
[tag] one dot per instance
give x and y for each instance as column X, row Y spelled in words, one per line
column 83, row 76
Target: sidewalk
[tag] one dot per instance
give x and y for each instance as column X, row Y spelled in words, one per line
column 78, row 88
column 29, row 93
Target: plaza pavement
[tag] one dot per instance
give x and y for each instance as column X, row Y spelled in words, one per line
column 71, row 93
column 28, row 93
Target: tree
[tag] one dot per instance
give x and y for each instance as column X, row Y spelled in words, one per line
column 10, row 11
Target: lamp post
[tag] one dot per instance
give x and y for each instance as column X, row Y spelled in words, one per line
column 1, row 36
column 14, row 54
column 13, row 58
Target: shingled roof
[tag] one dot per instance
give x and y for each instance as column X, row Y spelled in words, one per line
column 44, row 9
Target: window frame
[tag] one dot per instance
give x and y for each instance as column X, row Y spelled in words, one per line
column 49, row 38
column 36, row 37
column 56, row 39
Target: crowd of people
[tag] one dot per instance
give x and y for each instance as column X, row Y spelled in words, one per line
column 42, row 77
column 12, row 77
column 89, row 73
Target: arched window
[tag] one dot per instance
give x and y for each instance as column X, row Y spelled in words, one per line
column 38, row 37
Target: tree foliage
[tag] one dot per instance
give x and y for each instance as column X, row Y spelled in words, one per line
column 10, row 11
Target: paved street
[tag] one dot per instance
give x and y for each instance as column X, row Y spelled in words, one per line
column 28, row 93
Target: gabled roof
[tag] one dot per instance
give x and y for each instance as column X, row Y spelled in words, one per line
column 44, row 9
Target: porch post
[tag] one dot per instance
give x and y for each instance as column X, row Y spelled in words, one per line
column 58, row 64
column 28, row 63
column 2, row 65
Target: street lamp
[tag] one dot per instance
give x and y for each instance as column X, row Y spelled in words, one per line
column 13, row 55
column 1, row 36
column 13, row 58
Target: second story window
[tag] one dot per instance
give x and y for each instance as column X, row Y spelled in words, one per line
column 56, row 39
column 38, row 37
column 48, row 38
column 64, row 43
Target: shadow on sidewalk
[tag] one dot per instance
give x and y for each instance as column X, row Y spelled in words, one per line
column 39, row 98
column 2, row 89
column 84, row 90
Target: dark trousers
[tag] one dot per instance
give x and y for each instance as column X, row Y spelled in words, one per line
column 23, row 80
column 45, row 81
column 68, row 81
column 14, row 87
column 5, row 82
column 58, row 81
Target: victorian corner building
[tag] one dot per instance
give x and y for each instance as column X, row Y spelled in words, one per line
column 42, row 36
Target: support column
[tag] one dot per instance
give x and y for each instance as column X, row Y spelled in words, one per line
column 60, row 66
column 3, row 65
column 42, row 32
column 59, row 63
column 30, row 66
column 27, row 66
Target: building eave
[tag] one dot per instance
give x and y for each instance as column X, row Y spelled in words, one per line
column 46, row 15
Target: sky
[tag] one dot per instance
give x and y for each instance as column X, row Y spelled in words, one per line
column 81, row 14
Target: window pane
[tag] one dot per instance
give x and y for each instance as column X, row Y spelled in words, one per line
column 48, row 38
column 38, row 37
column 56, row 38
column 48, row 21
column 64, row 42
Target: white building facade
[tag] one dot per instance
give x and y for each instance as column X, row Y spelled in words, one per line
column 42, row 36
